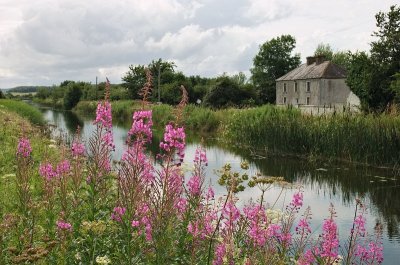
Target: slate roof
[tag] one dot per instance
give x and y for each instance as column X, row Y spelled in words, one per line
column 325, row 69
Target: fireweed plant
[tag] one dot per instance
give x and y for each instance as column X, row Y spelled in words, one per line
column 142, row 210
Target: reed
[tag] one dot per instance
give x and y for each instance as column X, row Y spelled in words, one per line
column 369, row 139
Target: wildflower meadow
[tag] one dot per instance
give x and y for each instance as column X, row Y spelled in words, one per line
column 81, row 207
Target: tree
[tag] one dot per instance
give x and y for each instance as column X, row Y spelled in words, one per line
column 72, row 95
column 159, row 68
column 1, row 94
column 325, row 50
column 134, row 80
column 227, row 92
column 273, row 60
column 43, row 93
column 372, row 78
column 341, row 58
column 395, row 87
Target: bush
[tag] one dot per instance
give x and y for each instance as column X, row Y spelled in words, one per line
column 227, row 93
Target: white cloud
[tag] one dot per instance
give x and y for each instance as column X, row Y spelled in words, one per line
column 47, row 41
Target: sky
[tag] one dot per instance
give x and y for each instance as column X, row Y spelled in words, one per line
column 44, row 42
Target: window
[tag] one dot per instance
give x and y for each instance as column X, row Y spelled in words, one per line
column 284, row 87
column 295, row 87
column 308, row 100
column 284, row 100
column 308, row 87
column 297, row 101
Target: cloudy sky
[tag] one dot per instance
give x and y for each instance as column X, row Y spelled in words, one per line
column 44, row 42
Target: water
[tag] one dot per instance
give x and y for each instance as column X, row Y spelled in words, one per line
column 322, row 183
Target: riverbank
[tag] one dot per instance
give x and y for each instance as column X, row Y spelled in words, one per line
column 13, row 126
column 24, row 110
column 356, row 138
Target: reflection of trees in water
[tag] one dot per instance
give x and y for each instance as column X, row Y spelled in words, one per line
column 381, row 187
column 72, row 121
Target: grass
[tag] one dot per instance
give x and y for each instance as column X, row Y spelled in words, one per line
column 23, row 109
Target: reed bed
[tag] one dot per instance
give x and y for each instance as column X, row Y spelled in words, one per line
column 369, row 139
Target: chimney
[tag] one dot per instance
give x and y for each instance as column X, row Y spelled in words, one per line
column 320, row 59
column 310, row 60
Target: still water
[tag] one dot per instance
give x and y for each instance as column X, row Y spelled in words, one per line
column 339, row 184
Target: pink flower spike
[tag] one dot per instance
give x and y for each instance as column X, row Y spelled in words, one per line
column 135, row 223
column 78, row 149
column 24, row 147
column 62, row 225
column 46, row 170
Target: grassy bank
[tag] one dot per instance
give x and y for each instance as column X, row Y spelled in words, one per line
column 12, row 127
column 359, row 138
column 23, row 109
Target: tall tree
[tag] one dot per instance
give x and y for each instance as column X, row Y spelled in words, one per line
column 158, row 68
column 341, row 58
column 274, row 59
column 325, row 50
column 372, row 78
column 134, row 80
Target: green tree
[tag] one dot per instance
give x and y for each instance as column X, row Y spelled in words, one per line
column 2, row 94
column 274, row 59
column 341, row 58
column 395, row 87
column 43, row 93
column 134, row 80
column 161, row 70
column 372, row 78
column 72, row 94
column 227, row 92
column 325, row 50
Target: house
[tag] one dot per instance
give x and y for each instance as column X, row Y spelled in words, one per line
column 317, row 83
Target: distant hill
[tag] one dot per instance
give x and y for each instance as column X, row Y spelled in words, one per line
column 23, row 89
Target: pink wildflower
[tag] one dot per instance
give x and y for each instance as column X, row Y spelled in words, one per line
column 194, row 185
column 231, row 212
column 181, row 204
column 46, row 170
column 78, row 149
column 273, row 230
column 63, row 167
column 62, row 225
column 103, row 114
column 174, row 139
column 297, row 200
column 200, row 156
column 330, row 241
column 220, row 252
column 117, row 213
column 24, row 147
column 303, row 226
column 141, row 126
column 210, row 194
column 135, row 223
column 373, row 254
column 359, row 224
column 307, row 259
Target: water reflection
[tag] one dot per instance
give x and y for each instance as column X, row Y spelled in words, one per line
column 323, row 183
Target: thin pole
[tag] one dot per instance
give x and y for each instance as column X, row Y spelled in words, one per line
column 159, row 70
